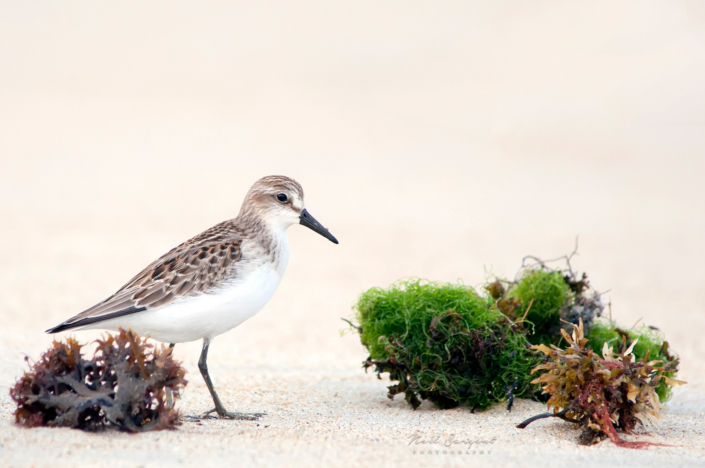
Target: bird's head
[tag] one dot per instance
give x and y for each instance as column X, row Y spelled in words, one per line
column 279, row 202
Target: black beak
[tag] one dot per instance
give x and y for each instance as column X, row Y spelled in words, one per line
column 310, row 222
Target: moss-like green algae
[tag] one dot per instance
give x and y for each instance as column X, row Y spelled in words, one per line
column 445, row 343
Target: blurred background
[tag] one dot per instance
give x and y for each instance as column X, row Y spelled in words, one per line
column 444, row 140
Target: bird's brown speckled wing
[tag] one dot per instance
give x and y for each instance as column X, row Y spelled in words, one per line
column 192, row 268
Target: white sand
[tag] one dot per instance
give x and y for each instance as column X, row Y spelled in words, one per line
column 434, row 141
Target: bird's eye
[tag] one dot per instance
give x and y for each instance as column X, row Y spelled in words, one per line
column 282, row 197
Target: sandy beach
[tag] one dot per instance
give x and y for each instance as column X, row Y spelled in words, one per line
column 438, row 141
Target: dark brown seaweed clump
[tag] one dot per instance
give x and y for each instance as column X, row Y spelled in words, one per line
column 124, row 386
column 601, row 394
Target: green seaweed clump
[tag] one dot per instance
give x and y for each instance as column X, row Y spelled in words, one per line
column 601, row 394
column 648, row 344
column 444, row 343
column 547, row 300
column 450, row 345
column 541, row 295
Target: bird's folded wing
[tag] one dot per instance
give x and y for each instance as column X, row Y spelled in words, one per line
column 185, row 271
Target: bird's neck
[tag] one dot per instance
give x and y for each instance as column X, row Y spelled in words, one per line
column 264, row 240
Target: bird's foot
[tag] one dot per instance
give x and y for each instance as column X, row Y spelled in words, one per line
column 223, row 414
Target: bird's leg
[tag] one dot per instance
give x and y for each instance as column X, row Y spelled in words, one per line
column 219, row 408
column 169, row 396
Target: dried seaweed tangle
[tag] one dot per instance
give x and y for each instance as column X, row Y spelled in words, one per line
column 601, row 394
column 124, row 386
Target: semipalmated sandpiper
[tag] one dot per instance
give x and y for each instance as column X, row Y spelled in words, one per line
column 212, row 282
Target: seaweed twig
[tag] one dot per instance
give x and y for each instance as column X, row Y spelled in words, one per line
column 559, row 415
column 356, row 327
column 543, row 263
column 509, row 390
